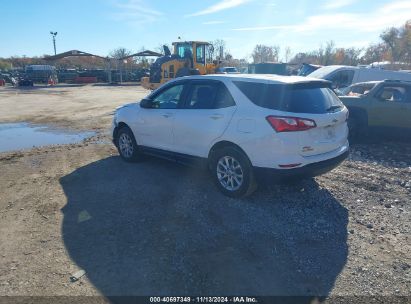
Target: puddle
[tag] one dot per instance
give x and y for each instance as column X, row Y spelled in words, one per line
column 18, row 136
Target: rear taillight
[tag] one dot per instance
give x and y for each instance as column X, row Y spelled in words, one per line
column 290, row 124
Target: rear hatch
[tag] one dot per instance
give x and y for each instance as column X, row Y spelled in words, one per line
column 310, row 102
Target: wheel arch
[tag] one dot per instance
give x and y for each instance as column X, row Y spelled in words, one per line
column 118, row 127
column 225, row 143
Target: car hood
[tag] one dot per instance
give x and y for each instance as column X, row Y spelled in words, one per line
column 128, row 105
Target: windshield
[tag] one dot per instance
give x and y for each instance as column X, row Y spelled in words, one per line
column 185, row 50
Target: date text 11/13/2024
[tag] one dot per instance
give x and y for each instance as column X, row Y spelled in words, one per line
column 237, row 299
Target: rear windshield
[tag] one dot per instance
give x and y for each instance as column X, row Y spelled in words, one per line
column 313, row 98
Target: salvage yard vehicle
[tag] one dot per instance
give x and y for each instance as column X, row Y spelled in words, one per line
column 24, row 82
column 385, row 109
column 242, row 127
column 41, row 73
column 189, row 58
column 343, row 76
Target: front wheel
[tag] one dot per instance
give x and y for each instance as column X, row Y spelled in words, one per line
column 232, row 172
column 127, row 145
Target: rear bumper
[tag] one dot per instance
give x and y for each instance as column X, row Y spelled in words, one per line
column 310, row 170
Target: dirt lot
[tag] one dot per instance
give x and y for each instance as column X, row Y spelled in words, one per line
column 159, row 228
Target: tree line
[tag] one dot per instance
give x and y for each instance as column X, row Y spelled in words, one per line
column 394, row 46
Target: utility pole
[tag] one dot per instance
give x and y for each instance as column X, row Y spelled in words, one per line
column 54, row 34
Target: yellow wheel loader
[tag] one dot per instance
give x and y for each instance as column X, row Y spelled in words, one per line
column 189, row 58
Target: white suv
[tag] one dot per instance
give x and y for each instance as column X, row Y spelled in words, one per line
column 241, row 126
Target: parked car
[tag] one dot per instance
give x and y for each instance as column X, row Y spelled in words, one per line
column 41, row 73
column 227, row 70
column 242, row 127
column 343, row 76
column 385, row 109
column 24, row 82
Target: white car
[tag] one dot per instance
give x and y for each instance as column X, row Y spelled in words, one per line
column 241, row 126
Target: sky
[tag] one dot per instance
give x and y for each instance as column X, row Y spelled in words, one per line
column 99, row 26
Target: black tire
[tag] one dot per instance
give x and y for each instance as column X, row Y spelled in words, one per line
column 125, row 137
column 248, row 184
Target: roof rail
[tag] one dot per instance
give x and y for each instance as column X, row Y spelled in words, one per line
column 395, row 80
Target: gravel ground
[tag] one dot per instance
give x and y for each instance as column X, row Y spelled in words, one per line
column 159, row 228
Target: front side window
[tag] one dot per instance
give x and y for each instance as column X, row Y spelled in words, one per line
column 185, row 50
column 170, row 98
column 392, row 94
column 200, row 53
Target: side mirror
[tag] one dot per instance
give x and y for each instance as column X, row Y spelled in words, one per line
column 146, row 103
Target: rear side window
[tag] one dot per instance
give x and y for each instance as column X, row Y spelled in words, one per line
column 393, row 94
column 223, row 98
column 202, row 96
column 209, row 95
column 313, row 98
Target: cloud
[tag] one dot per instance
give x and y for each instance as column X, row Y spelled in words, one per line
column 395, row 6
column 393, row 14
column 214, row 22
column 135, row 12
column 264, row 28
column 337, row 4
column 220, row 6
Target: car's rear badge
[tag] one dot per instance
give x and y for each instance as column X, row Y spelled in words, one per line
column 307, row 149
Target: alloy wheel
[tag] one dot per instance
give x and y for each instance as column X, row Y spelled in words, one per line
column 126, row 145
column 229, row 173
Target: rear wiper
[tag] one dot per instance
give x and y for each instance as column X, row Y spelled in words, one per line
column 332, row 108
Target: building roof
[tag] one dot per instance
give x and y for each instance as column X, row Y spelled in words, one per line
column 71, row 53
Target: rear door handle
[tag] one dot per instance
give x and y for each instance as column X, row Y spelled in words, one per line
column 167, row 115
column 216, row 116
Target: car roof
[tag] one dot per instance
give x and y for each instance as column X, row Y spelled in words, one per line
column 367, row 82
column 277, row 79
column 389, row 81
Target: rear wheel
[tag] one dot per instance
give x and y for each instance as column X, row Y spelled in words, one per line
column 127, row 145
column 232, row 172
